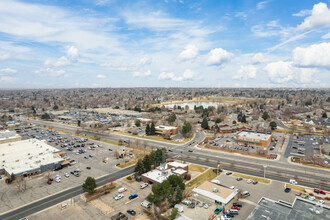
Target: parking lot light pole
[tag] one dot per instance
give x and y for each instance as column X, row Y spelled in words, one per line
column 265, row 166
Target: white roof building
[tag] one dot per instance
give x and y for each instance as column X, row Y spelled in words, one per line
column 7, row 136
column 28, row 156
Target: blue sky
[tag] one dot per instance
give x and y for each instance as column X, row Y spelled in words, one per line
column 169, row 43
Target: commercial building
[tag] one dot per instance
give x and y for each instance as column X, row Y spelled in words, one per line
column 28, row 157
column 161, row 173
column 9, row 136
column 216, row 193
column 166, row 130
column 253, row 138
column 229, row 129
column 300, row 209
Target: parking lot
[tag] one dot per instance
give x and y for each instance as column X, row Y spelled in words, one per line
column 103, row 207
column 97, row 157
column 304, row 145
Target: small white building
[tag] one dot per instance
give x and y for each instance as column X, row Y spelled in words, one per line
column 215, row 193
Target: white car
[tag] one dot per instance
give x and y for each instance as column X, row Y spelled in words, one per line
column 206, row 206
column 249, row 181
column 118, row 196
column 293, row 182
column 57, row 177
column 312, row 198
column 232, row 187
column 144, row 185
column 58, row 180
column 321, row 201
column 66, row 175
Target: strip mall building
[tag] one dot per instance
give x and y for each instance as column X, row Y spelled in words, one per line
column 253, row 138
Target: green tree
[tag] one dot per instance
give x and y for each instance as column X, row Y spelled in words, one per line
column 79, row 123
column 139, row 167
column 171, row 119
column 152, row 129
column 146, row 163
column 218, row 120
column 273, row 125
column 324, row 115
column 55, row 107
column 186, row 128
column 137, row 123
column 89, row 185
column 174, row 213
column 177, row 195
column 234, row 122
column 12, row 177
column 148, row 130
column 175, row 181
column 265, row 116
column 45, row 116
column 205, row 124
column 243, row 119
column 239, row 117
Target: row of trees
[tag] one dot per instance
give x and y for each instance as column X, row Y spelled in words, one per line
column 151, row 130
column 154, row 159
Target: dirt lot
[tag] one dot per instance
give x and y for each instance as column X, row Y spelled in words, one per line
column 102, row 208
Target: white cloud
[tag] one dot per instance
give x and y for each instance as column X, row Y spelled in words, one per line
column 259, row 58
column 320, row 17
column 316, row 55
column 100, row 76
column 5, row 56
column 190, row 52
column 262, row 5
column 187, row 75
column 145, row 60
column 142, row 74
column 283, row 72
column 62, row 61
column 72, row 53
column 303, row 13
column 8, row 79
column 326, row 36
column 246, row 72
column 218, row 56
column 8, row 70
column 50, row 72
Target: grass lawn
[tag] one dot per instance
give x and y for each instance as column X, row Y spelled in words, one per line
column 139, row 155
column 207, row 175
column 259, row 179
column 197, row 168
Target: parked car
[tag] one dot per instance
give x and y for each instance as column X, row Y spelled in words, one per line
column 206, row 206
column 293, row 182
column 236, row 207
column 66, row 175
column 133, row 196
column 321, row 201
column 131, row 211
column 312, row 198
column 212, row 216
column 118, row 196
column 298, row 193
column 304, row 195
column 287, row 189
column 255, row 182
column 229, row 173
column 144, row 185
column 249, row 181
column 218, row 210
column 88, row 168
column 239, row 178
column 237, row 204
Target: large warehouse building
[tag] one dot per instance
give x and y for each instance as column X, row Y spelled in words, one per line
column 254, row 138
column 28, row 157
column 9, row 136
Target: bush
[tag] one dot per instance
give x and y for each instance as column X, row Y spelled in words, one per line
column 129, row 178
column 117, row 164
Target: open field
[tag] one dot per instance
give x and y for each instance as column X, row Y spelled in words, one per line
column 207, row 175
column 197, row 168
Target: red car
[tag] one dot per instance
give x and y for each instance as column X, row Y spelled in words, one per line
column 316, row 190
column 49, row 182
column 322, row 192
column 51, row 179
column 236, row 207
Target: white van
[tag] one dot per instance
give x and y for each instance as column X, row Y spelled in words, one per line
column 146, row 204
column 121, row 190
column 233, row 211
column 179, row 207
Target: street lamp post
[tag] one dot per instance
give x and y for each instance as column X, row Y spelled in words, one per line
column 265, row 166
column 181, row 157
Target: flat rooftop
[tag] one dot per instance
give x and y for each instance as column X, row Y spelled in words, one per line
column 7, row 135
column 158, row 175
column 254, row 135
column 163, row 127
column 301, row 209
column 177, row 164
column 21, row 156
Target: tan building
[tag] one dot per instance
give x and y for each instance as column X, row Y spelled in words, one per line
column 166, row 130
column 253, row 138
column 9, row 136
column 226, row 129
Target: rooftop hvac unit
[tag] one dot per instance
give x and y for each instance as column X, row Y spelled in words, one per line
column 17, row 161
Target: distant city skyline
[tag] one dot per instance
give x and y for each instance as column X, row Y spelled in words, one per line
column 170, row 43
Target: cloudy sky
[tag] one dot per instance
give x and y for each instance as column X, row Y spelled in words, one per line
column 167, row 43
